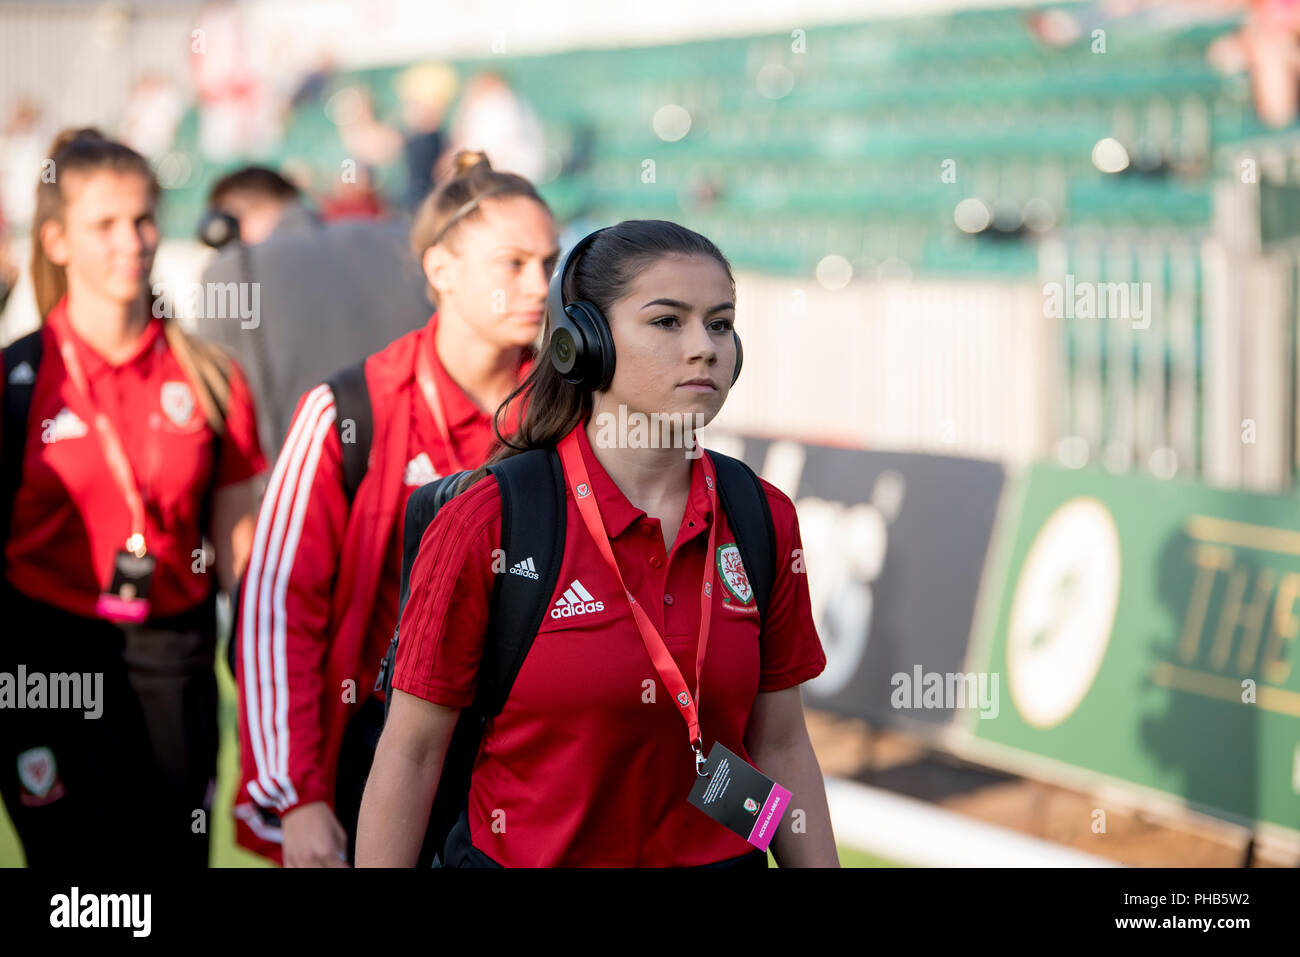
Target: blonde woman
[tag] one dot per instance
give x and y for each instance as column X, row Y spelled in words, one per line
column 125, row 444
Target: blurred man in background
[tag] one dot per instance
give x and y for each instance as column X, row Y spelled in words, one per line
column 325, row 293
column 426, row 91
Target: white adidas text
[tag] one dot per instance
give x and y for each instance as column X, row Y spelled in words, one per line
column 525, row 569
column 576, row 600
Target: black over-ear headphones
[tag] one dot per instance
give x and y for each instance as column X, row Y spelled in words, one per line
column 581, row 347
column 216, row 228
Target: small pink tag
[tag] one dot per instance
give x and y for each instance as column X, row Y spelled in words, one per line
column 769, row 817
column 116, row 608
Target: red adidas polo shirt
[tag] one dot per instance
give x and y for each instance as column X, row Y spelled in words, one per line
column 588, row 764
column 69, row 517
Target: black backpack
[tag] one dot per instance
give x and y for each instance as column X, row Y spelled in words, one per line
column 532, row 526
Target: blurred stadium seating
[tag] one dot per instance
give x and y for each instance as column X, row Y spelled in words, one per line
column 790, row 158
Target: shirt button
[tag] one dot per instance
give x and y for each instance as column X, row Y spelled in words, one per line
column 656, row 562
column 668, row 599
column 647, row 530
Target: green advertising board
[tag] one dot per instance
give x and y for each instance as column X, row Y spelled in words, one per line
column 1145, row 633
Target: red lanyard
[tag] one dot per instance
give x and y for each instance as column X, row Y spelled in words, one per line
column 575, row 473
column 119, row 464
column 424, row 377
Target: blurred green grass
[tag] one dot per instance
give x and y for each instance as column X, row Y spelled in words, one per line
column 225, row 853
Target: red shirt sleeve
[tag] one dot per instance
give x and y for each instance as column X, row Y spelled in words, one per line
column 446, row 616
column 241, row 452
column 791, row 651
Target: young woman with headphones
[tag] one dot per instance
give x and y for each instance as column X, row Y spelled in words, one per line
column 137, row 443
column 320, row 599
column 651, row 644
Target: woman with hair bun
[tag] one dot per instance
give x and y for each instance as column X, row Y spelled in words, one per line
column 320, row 598
column 125, row 443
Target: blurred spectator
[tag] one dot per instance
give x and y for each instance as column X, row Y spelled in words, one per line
column 152, row 114
column 327, row 293
column 21, row 155
column 353, row 198
column 366, row 139
column 426, row 90
column 494, row 119
column 1062, row 26
column 311, row 88
column 230, row 123
column 8, row 271
column 1268, row 45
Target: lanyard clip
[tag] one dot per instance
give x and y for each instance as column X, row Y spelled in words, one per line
column 699, row 759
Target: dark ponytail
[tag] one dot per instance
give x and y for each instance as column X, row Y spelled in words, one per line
column 602, row 275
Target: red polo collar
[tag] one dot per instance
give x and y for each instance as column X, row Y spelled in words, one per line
column 620, row 514
column 95, row 364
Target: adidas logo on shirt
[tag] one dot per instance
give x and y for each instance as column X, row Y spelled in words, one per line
column 65, row 425
column 525, row 568
column 419, row 471
column 576, row 600
column 22, row 374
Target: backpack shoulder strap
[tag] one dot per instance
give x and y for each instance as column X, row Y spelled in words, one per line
column 750, row 517
column 352, row 404
column 421, row 506
column 19, row 385
column 532, row 538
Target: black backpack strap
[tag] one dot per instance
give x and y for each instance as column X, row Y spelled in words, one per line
column 532, row 526
column 19, row 386
column 352, row 404
column 532, row 531
column 421, row 506
column 750, row 519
